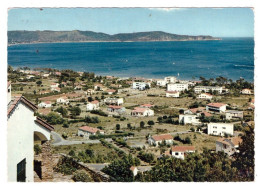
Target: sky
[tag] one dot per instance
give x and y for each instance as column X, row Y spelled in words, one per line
column 217, row 22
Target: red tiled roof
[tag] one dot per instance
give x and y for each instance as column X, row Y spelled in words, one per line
column 235, row 140
column 132, row 168
column 207, row 94
column 139, row 110
column 115, row 107
column 172, row 92
column 94, row 102
column 111, row 90
column 44, row 124
column 89, row 129
column 47, row 102
column 217, row 105
column 147, row 105
column 182, row 148
column 162, row 137
column 23, row 100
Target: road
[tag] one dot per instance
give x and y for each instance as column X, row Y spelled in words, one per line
column 58, row 140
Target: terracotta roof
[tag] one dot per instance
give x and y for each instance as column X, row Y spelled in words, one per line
column 217, row 105
column 194, row 110
column 47, row 102
column 111, row 90
column 115, row 107
column 207, row 114
column 206, row 94
column 234, row 140
column 182, row 148
column 89, row 129
column 16, row 100
column 94, row 102
column 172, row 92
column 139, row 110
column 44, row 124
column 162, row 137
column 147, row 105
column 132, row 168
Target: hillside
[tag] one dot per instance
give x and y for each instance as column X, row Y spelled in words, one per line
column 16, row 37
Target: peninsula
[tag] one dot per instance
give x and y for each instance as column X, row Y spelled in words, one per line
column 47, row 36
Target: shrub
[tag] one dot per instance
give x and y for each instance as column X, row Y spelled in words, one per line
column 81, row 176
column 37, row 149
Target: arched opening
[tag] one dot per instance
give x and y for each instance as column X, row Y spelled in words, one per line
column 39, row 138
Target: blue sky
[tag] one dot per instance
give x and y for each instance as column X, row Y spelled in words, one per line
column 223, row 22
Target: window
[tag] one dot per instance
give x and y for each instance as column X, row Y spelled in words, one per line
column 21, row 171
column 223, row 127
column 176, row 153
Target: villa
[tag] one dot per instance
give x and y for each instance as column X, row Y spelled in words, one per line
column 181, row 151
column 246, row 91
column 116, row 109
column 228, row 145
column 63, row 100
column 220, row 129
column 206, row 96
column 46, row 104
column 177, row 87
column 86, row 131
column 172, row 94
column 216, row 107
column 155, row 140
column 142, row 112
column 94, row 105
column 114, row 101
column 234, row 114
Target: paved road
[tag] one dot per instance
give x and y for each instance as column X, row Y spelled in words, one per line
column 58, row 140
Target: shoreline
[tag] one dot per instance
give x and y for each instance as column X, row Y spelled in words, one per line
column 57, row 42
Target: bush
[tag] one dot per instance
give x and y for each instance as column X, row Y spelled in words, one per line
column 81, row 176
column 37, row 149
column 65, row 166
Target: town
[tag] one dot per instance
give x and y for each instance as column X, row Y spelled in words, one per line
column 87, row 127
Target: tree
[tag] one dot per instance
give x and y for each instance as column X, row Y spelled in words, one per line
column 39, row 83
column 75, row 111
column 129, row 126
column 244, row 160
column 150, row 122
column 117, row 126
column 63, row 111
column 142, row 124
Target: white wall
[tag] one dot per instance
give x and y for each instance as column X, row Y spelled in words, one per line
column 20, row 141
column 220, row 129
column 177, row 87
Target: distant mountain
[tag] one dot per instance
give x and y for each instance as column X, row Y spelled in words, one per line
column 47, row 36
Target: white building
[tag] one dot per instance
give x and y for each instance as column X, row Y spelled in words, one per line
column 220, row 129
column 177, row 87
column 170, row 79
column 246, row 91
column 116, row 109
column 142, row 112
column 114, row 101
column 134, row 170
column 94, row 105
column 63, row 100
column 181, row 151
column 234, row 114
column 161, row 83
column 54, row 85
column 111, row 91
column 189, row 119
column 86, row 131
column 141, row 85
column 200, row 89
column 216, row 107
column 206, row 96
column 228, row 145
column 155, row 140
column 22, row 130
column 46, row 104
column 172, row 94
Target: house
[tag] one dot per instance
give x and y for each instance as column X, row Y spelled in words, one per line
column 141, row 85
column 45, row 92
column 172, row 94
column 228, row 145
column 216, row 107
column 181, row 151
column 155, row 140
column 161, row 83
column 234, row 114
column 86, row 131
column 54, row 85
column 90, row 92
column 94, row 105
column 200, row 111
column 177, row 87
column 23, row 129
column 58, row 73
column 114, row 101
column 142, row 112
column 111, row 91
column 220, row 129
column 30, row 76
column 99, row 87
column 63, row 100
column 55, row 89
column 189, row 119
column 170, row 79
column 246, row 91
column 134, row 170
column 206, row 96
column 116, row 109
column 200, row 89
column 46, row 104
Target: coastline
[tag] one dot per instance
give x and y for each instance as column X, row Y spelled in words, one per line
column 59, row 42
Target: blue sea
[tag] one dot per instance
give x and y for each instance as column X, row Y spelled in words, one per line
column 231, row 57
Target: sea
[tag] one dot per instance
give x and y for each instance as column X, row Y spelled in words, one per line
column 232, row 58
